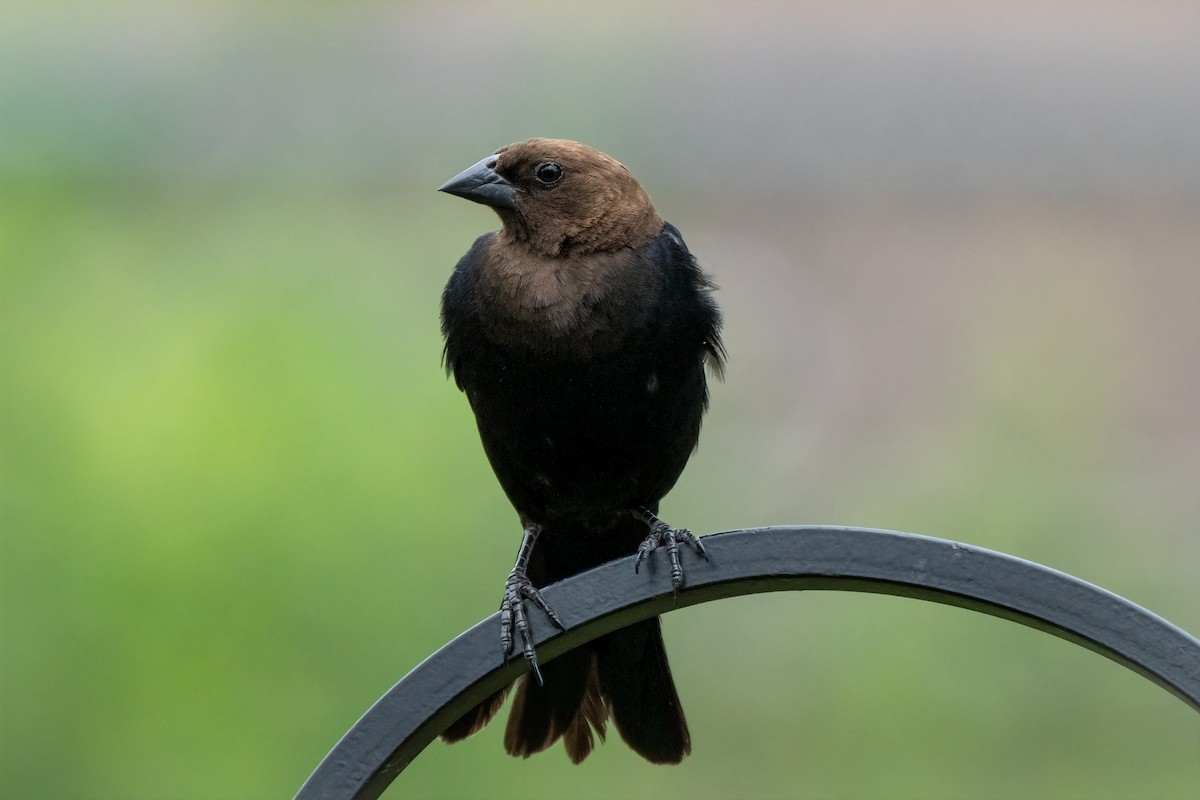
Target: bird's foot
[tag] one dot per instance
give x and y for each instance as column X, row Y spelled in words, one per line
column 513, row 620
column 661, row 534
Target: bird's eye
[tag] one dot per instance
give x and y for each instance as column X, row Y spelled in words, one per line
column 548, row 173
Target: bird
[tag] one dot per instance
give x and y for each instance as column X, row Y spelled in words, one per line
column 582, row 332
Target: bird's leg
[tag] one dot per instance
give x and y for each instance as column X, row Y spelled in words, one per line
column 517, row 589
column 663, row 534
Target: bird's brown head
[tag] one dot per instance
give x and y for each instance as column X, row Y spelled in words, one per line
column 557, row 197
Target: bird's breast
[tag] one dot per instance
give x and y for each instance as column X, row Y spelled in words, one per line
column 574, row 306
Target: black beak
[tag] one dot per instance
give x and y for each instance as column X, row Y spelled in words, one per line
column 482, row 184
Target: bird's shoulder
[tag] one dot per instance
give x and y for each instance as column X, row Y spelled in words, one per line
column 460, row 321
column 689, row 303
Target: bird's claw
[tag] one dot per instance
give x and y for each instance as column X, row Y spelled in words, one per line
column 513, row 619
column 661, row 534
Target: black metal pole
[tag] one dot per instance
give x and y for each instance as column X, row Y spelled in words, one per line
column 468, row 669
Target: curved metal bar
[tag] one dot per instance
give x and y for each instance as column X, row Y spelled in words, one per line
column 452, row 680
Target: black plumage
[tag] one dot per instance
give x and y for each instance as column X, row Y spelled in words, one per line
column 581, row 333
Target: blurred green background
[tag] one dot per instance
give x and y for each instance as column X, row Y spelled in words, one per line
column 957, row 245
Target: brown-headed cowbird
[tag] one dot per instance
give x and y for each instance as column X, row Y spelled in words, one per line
column 580, row 333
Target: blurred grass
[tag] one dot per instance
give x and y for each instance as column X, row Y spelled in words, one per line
column 199, row 422
column 239, row 499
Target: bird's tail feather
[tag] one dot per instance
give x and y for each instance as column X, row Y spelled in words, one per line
column 624, row 674
column 636, row 683
column 475, row 719
column 541, row 714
